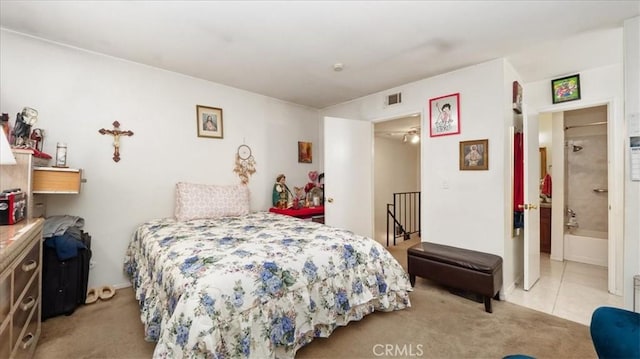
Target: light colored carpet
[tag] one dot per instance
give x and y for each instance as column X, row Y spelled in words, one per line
column 438, row 325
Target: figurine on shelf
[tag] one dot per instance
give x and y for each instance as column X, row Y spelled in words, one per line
column 298, row 201
column 22, row 127
column 37, row 136
column 312, row 190
column 282, row 195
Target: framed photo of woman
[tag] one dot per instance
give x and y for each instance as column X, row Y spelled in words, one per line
column 209, row 121
column 444, row 115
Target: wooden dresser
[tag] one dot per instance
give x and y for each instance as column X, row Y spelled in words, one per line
column 20, row 287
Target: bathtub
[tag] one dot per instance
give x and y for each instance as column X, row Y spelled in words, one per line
column 584, row 246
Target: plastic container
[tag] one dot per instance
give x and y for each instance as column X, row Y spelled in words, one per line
column 61, row 155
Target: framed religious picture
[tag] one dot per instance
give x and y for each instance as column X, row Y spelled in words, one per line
column 474, row 155
column 209, row 121
column 304, row 152
column 444, row 115
column 566, row 89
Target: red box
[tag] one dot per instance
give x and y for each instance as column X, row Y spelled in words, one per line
column 13, row 207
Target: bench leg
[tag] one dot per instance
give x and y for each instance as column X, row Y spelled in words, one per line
column 487, row 304
column 497, row 296
column 412, row 279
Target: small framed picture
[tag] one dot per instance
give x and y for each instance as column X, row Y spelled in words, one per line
column 517, row 97
column 209, row 121
column 474, row 155
column 566, row 89
column 444, row 115
column 304, row 152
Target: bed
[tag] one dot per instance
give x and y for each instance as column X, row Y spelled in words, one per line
column 255, row 285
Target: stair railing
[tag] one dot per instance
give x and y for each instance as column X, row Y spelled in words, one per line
column 403, row 215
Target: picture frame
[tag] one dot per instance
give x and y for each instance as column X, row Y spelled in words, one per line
column 305, row 153
column 474, row 155
column 565, row 89
column 517, row 97
column 444, row 115
column 209, row 121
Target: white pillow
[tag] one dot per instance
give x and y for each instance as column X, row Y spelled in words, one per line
column 194, row 201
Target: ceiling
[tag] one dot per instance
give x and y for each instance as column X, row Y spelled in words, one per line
column 287, row 49
column 397, row 128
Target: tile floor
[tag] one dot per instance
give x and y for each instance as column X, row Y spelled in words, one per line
column 568, row 290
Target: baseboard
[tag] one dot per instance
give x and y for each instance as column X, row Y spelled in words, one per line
column 122, row 285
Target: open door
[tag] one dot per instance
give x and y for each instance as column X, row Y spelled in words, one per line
column 531, row 201
column 348, row 174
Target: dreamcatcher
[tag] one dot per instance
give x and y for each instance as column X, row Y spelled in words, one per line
column 245, row 163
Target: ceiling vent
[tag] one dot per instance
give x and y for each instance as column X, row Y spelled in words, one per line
column 394, row 99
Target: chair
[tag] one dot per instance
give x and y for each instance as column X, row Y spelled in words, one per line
column 615, row 333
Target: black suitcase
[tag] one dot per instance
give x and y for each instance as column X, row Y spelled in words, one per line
column 64, row 283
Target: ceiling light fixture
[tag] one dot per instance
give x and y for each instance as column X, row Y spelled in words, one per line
column 337, row 67
column 411, row 136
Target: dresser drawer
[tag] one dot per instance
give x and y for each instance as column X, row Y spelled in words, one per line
column 5, row 339
column 5, row 297
column 27, row 268
column 24, row 308
column 27, row 343
column 56, row 180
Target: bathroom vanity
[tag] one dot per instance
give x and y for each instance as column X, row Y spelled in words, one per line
column 545, row 227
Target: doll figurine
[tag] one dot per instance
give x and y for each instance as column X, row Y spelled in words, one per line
column 282, row 195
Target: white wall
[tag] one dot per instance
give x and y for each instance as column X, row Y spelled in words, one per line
column 470, row 212
column 473, row 211
column 599, row 86
column 78, row 92
column 396, row 169
column 632, row 193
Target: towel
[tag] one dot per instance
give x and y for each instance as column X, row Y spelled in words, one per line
column 546, row 186
column 58, row 225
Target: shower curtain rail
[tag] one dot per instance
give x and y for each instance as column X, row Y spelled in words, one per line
column 587, row 125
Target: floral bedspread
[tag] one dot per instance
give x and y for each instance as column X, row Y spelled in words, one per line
column 261, row 285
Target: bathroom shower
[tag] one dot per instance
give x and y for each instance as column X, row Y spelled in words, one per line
column 585, row 169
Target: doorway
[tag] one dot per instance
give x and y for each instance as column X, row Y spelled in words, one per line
column 396, row 165
column 567, row 288
column 584, row 163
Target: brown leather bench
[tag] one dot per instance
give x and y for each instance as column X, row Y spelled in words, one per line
column 464, row 269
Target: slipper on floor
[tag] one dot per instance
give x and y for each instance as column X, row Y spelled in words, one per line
column 106, row 292
column 92, row 296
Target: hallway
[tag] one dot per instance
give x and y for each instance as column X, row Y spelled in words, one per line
column 569, row 290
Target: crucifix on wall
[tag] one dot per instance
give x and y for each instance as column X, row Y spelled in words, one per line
column 116, row 133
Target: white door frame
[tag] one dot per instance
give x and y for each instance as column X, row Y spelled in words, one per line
column 615, row 154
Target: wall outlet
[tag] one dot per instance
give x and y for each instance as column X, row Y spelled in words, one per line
column 445, row 184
